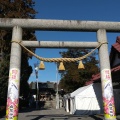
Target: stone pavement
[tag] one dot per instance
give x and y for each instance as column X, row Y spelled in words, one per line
column 54, row 114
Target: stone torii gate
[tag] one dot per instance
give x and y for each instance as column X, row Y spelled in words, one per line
column 101, row 28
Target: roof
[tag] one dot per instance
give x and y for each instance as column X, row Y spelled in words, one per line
column 115, row 49
column 116, row 46
column 96, row 78
column 44, row 85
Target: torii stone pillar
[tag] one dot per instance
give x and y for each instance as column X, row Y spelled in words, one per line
column 14, row 76
column 106, row 80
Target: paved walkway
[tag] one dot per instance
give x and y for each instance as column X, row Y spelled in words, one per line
column 54, row 114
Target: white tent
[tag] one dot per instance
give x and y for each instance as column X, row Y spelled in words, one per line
column 88, row 100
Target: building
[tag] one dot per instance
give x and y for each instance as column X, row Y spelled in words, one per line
column 47, row 90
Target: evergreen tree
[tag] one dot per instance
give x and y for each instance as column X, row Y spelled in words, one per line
column 15, row 9
column 73, row 78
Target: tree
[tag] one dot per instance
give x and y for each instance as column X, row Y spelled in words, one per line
column 15, row 9
column 72, row 78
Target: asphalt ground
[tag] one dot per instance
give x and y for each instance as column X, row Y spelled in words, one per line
column 54, row 114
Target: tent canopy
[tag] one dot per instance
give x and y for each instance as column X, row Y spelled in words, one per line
column 88, row 91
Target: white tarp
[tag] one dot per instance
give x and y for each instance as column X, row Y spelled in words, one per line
column 88, row 100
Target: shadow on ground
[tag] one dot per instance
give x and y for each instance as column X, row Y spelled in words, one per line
column 31, row 109
column 95, row 117
column 51, row 117
column 64, row 117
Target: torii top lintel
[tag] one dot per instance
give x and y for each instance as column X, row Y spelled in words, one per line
column 60, row 25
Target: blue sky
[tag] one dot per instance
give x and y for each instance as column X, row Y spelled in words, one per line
column 93, row 10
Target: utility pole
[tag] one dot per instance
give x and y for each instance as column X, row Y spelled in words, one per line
column 57, row 95
column 37, row 94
